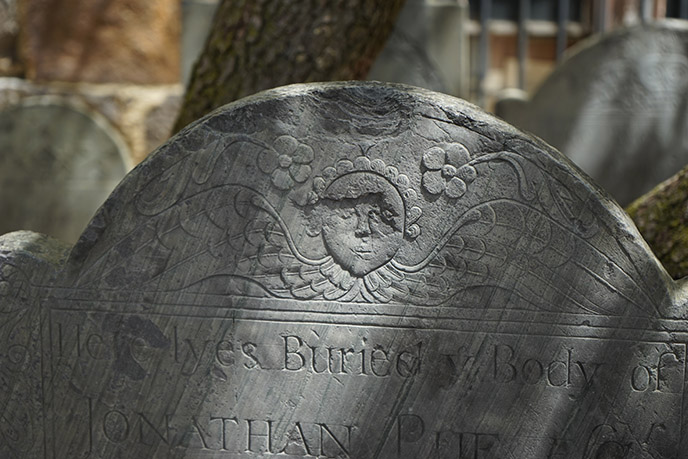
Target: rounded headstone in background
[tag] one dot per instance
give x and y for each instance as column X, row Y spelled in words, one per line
column 58, row 164
column 427, row 48
column 618, row 107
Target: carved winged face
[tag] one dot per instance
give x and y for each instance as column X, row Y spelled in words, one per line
column 363, row 226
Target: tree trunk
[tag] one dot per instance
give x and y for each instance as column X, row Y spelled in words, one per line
column 662, row 218
column 260, row 44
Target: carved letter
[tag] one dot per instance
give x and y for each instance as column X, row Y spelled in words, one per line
column 95, row 347
column 531, row 371
column 293, row 359
column 408, row 362
column 595, row 367
column 225, row 443
column 224, row 353
column 314, row 363
column 410, row 429
column 116, row 426
column 502, row 361
column 144, row 420
column 384, row 359
column 248, row 350
column 267, row 437
column 343, row 446
column 660, row 366
column 640, row 378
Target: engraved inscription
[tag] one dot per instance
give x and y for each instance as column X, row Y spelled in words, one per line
column 448, row 444
column 566, row 371
column 329, row 360
column 364, row 361
column 76, row 342
column 221, row 433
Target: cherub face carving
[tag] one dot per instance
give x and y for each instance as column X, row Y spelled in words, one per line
column 363, row 222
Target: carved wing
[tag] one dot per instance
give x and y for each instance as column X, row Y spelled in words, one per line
column 536, row 250
column 238, row 239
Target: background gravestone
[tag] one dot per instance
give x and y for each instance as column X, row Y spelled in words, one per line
column 344, row 270
column 58, row 165
column 428, row 48
column 142, row 115
column 618, row 107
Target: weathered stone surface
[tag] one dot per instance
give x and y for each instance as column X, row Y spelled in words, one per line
column 58, row 165
column 618, row 107
column 27, row 259
column 346, row 270
column 119, row 41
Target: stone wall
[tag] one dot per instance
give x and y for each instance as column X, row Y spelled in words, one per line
column 119, row 41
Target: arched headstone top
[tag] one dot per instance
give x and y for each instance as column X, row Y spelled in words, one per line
column 371, row 193
column 617, row 107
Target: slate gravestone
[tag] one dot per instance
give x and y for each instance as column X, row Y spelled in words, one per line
column 58, row 164
column 344, row 270
column 618, row 107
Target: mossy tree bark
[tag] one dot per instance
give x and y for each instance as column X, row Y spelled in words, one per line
column 662, row 218
column 261, row 44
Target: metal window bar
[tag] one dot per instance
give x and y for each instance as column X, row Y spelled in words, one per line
column 562, row 20
column 523, row 16
column 646, row 10
column 483, row 48
column 600, row 21
column 524, row 12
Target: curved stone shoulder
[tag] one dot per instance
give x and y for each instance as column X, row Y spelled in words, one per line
column 27, row 260
column 38, row 255
column 616, row 106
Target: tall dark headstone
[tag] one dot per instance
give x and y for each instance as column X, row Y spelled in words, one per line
column 344, row 270
column 618, row 107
